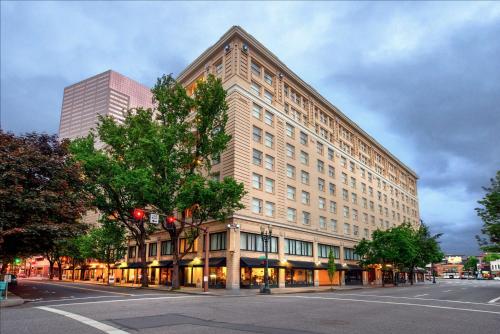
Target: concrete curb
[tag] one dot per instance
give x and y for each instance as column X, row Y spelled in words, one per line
column 13, row 300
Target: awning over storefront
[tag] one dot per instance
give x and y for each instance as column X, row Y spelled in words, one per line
column 212, row 262
column 354, row 267
column 250, row 262
column 338, row 266
column 135, row 265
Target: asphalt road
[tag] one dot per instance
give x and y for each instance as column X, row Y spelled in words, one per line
column 450, row 306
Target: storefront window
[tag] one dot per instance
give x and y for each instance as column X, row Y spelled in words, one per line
column 299, row 277
column 254, row 277
column 217, row 277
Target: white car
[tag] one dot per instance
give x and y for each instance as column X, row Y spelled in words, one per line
column 496, row 278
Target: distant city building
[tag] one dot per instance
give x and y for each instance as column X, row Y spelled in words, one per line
column 311, row 173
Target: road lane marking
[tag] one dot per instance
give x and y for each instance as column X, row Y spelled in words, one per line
column 392, row 303
column 80, row 288
column 448, row 291
column 494, row 300
column 127, row 300
column 432, row 299
column 424, row 294
column 84, row 320
column 93, row 297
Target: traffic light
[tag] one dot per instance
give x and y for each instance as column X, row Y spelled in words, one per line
column 17, row 261
column 138, row 214
column 170, row 220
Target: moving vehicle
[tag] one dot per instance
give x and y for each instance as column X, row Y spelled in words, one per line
column 451, row 275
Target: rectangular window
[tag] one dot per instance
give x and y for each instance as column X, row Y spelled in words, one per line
column 131, row 252
column 353, row 183
column 321, row 166
column 298, row 247
column 255, row 88
column 306, row 198
column 324, row 251
column 330, row 154
column 269, row 162
column 291, row 215
column 350, row 255
column 269, row 185
column 290, row 130
column 270, row 209
column 351, row 166
column 355, row 230
column 321, row 184
column 331, row 171
column 268, row 97
column 290, row 192
column 306, row 218
column 347, row 229
column 333, row 224
column 256, row 69
column 319, row 148
column 343, row 178
column 253, row 242
column 152, row 249
column 346, row 212
column 256, row 205
column 257, row 181
column 166, row 247
column 304, row 158
column 257, row 134
column 304, row 177
column 269, row 118
column 321, row 203
column 218, row 69
column 290, row 171
column 354, row 198
column 257, row 157
column 269, row 140
column 345, row 195
column 268, row 78
column 333, row 207
column 257, row 111
column 290, row 151
column 331, row 189
column 303, row 138
column 322, row 222
column 217, row 241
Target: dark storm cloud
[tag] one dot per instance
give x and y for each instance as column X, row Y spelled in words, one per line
column 447, row 102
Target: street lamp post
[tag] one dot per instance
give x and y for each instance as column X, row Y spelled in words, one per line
column 433, row 274
column 266, row 238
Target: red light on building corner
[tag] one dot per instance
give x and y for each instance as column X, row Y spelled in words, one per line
column 138, row 214
column 170, row 220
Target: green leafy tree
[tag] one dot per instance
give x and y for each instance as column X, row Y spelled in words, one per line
column 106, row 244
column 491, row 257
column 161, row 160
column 490, row 214
column 471, row 264
column 41, row 193
column 331, row 267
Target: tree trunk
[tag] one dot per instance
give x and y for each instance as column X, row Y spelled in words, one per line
column 142, row 256
column 411, row 276
column 175, row 265
column 59, row 271
column 51, row 269
column 108, row 272
column 73, row 270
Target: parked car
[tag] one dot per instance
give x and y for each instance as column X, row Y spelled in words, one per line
column 13, row 280
column 496, row 278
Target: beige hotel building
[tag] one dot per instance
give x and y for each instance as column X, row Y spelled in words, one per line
column 314, row 176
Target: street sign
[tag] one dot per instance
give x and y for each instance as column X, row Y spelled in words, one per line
column 154, row 218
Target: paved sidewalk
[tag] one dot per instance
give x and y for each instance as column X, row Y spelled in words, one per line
column 12, row 300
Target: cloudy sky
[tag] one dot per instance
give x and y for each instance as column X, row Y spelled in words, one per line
column 422, row 78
